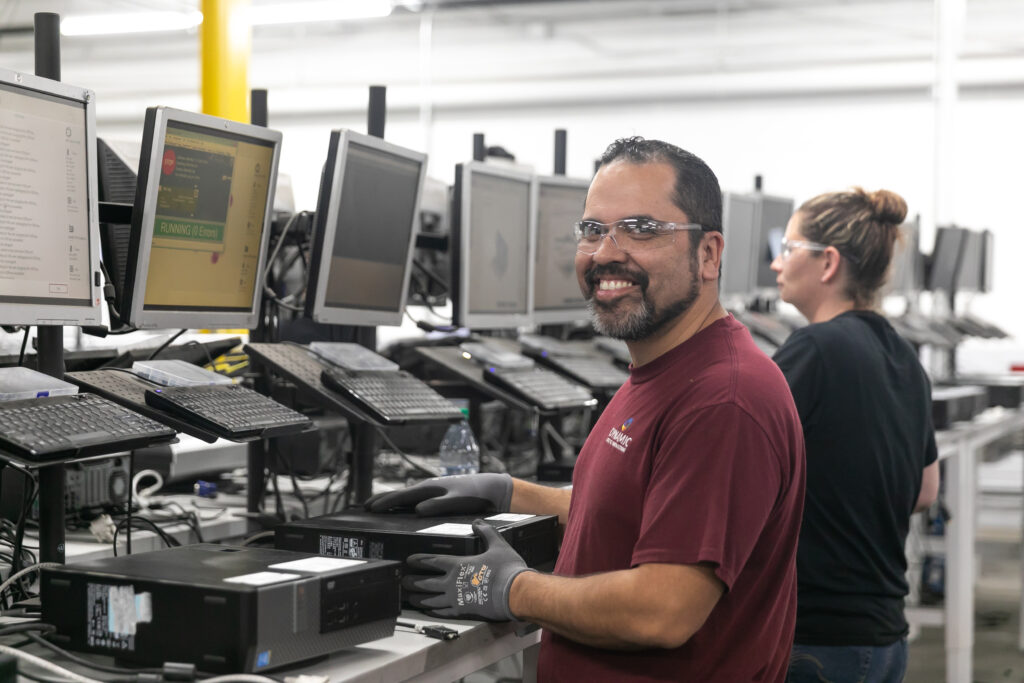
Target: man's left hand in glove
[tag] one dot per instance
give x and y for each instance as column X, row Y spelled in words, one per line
column 471, row 586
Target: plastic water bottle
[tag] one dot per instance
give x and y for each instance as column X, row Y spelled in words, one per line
column 459, row 451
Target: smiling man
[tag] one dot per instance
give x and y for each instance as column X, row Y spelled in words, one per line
column 678, row 560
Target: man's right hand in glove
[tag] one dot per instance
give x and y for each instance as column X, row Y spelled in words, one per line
column 462, row 494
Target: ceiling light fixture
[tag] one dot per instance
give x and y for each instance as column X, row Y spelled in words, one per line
column 129, row 22
column 310, row 12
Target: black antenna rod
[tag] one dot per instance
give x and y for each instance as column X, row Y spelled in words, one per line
column 258, row 107
column 479, row 148
column 560, row 147
column 50, row 349
column 377, row 112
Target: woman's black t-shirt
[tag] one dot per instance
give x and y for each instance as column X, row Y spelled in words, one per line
column 865, row 405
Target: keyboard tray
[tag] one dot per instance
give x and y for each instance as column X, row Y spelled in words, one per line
column 299, row 366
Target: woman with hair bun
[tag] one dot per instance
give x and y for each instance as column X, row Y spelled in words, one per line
column 865, row 405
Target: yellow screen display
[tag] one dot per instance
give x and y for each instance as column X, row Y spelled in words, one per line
column 210, row 209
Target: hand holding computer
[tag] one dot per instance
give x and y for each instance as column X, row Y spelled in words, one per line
column 453, row 495
column 474, row 586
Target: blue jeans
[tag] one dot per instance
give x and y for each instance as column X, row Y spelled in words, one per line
column 848, row 664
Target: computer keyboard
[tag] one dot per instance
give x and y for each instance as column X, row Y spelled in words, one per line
column 541, row 387
column 127, row 389
column 230, row 411
column 298, row 365
column 78, row 425
column 391, row 396
column 596, row 373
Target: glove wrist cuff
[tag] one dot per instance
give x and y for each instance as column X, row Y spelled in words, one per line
column 508, row 593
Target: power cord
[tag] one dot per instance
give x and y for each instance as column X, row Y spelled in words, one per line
column 401, row 454
column 167, row 343
column 27, row 570
column 24, row 343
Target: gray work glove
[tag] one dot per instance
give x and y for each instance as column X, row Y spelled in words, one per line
column 460, row 494
column 471, row 586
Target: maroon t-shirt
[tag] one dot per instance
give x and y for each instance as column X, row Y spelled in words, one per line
column 699, row 457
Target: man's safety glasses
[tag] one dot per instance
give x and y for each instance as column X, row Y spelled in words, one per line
column 629, row 235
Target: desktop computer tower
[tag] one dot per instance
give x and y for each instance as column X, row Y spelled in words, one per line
column 88, row 485
column 222, row 608
column 396, row 536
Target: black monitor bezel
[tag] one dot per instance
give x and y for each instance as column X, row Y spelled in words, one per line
column 325, row 226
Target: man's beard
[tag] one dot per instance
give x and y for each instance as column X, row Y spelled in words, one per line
column 640, row 321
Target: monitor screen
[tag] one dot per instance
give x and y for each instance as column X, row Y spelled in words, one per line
column 772, row 216
column 945, row 261
column 969, row 275
column 49, row 237
column 492, row 224
column 739, row 213
column 558, row 202
column 365, row 231
column 200, row 221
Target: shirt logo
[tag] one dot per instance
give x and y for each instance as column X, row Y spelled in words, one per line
column 617, row 438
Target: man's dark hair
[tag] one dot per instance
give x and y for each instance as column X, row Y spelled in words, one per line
column 697, row 192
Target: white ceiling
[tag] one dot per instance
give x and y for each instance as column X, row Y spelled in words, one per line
column 460, row 55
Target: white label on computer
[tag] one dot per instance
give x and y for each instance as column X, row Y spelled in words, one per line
column 449, row 529
column 261, row 578
column 318, row 565
column 125, row 609
column 509, row 517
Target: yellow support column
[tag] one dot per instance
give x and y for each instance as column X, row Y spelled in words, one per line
column 225, row 43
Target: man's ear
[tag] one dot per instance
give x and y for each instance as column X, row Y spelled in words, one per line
column 830, row 265
column 711, row 246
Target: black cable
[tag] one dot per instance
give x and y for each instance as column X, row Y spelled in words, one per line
column 168, row 540
column 189, row 517
column 296, row 491
column 401, row 454
column 432, row 277
column 19, row 535
column 11, row 629
column 166, row 343
column 81, row 661
column 278, row 502
column 202, row 347
column 24, row 343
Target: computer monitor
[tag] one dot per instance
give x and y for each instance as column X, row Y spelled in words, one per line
column 772, row 216
column 492, row 255
column 968, row 276
column 945, row 261
column 367, row 218
column 906, row 271
column 49, row 236
column 558, row 203
column 200, row 222
column 118, row 178
column 739, row 213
